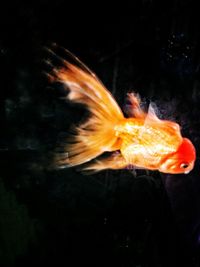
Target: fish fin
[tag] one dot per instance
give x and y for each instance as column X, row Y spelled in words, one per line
column 68, row 57
column 134, row 107
column 151, row 114
column 114, row 161
column 97, row 134
column 150, row 118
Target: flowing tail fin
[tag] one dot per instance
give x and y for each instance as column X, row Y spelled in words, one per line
column 114, row 161
column 97, row 134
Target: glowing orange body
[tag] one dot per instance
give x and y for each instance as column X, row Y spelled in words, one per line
column 143, row 140
column 146, row 144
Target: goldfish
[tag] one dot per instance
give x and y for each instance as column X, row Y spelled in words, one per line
column 142, row 140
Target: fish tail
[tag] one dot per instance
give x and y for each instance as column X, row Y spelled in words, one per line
column 114, row 161
column 97, row 134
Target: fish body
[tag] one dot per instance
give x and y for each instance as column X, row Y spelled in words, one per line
column 142, row 140
column 150, row 143
column 146, row 144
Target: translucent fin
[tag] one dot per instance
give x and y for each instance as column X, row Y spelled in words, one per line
column 151, row 115
column 134, row 108
column 97, row 134
column 114, row 161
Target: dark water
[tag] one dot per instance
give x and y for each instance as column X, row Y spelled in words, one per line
column 62, row 217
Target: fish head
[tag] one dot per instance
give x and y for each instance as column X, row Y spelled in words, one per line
column 182, row 161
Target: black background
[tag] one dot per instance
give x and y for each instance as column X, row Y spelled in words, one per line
column 62, row 217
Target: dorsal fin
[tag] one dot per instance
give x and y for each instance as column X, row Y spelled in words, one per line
column 151, row 114
column 134, row 109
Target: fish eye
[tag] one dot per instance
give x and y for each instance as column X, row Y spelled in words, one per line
column 184, row 165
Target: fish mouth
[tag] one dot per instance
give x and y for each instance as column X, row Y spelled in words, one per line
column 186, row 172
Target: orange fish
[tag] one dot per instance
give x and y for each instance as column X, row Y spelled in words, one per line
column 142, row 140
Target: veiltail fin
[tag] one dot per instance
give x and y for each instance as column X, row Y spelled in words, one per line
column 115, row 161
column 97, row 134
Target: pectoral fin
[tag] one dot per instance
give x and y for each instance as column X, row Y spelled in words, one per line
column 114, row 161
column 151, row 115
